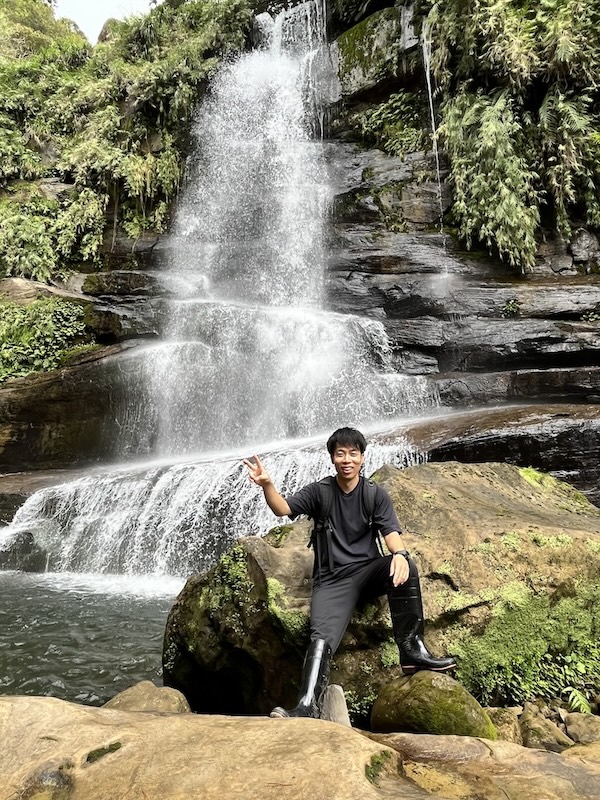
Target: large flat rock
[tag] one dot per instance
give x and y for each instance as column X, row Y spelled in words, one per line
column 53, row 750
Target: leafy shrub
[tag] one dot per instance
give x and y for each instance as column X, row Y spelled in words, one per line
column 519, row 79
column 397, row 126
column 113, row 120
column 36, row 234
column 39, row 336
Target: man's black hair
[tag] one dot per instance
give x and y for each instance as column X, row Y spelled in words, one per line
column 346, row 437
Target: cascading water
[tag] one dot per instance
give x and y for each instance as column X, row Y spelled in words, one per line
column 249, row 355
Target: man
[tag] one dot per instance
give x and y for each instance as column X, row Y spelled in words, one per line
column 349, row 567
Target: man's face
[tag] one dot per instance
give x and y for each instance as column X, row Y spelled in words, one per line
column 347, row 461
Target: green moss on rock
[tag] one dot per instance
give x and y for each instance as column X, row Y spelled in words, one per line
column 369, row 52
column 100, row 752
column 389, row 655
column 277, row 535
column 535, row 647
column 430, row 703
column 570, row 499
column 377, row 765
column 294, row 623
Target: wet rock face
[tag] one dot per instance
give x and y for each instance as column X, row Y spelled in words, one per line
column 345, row 14
column 78, row 410
column 561, row 439
column 22, row 553
column 376, row 52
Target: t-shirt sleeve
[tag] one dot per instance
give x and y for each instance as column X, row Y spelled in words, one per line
column 384, row 517
column 305, row 501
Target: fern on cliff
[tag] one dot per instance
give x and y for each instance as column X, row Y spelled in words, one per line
column 482, row 137
column 39, row 336
column 528, row 74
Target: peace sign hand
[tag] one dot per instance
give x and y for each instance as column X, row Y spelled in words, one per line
column 256, row 472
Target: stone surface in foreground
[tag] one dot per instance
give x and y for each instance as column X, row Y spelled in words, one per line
column 54, row 750
column 466, row 768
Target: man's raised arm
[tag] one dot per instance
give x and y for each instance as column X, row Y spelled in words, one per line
column 258, row 475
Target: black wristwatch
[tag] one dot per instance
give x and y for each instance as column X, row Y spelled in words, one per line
column 404, row 553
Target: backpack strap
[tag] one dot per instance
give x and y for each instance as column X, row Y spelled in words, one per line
column 369, row 498
column 326, row 492
column 321, row 533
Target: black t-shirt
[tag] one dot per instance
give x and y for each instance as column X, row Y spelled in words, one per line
column 352, row 541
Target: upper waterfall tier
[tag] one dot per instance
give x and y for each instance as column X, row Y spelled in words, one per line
column 248, row 352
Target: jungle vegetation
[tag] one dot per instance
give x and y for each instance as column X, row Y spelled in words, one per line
column 108, row 123
column 40, row 336
column 518, row 95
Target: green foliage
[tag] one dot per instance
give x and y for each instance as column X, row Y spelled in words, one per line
column 519, row 80
column 397, row 126
column 113, row 120
column 577, row 701
column 26, row 245
column 494, row 194
column 536, row 649
column 28, row 26
column 378, row 764
column 511, row 308
column 390, row 657
column 36, row 233
column 590, row 316
column 39, row 336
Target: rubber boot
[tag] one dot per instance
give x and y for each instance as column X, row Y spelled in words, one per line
column 315, row 674
column 406, row 610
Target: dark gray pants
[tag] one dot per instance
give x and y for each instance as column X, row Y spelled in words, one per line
column 337, row 594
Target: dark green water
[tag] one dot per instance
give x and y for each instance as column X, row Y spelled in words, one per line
column 81, row 637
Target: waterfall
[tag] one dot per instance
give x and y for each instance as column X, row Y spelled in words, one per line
column 250, row 360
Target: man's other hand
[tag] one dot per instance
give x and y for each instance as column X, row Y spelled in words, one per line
column 399, row 570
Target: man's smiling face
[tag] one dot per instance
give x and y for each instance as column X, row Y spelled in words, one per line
column 347, row 462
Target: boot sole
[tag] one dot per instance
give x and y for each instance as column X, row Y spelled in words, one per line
column 411, row 670
column 277, row 715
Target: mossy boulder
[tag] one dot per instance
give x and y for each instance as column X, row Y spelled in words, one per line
column 377, row 54
column 428, row 702
column 235, row 637
column 510, row 573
